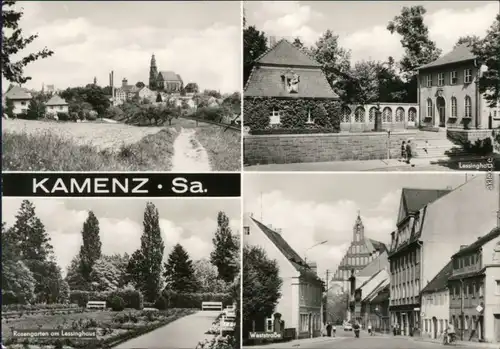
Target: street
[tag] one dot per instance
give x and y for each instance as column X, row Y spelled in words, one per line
column 183, row 333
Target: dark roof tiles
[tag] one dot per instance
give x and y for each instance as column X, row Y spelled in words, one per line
column 461, row 53
column 439, row 283
column 415, row 199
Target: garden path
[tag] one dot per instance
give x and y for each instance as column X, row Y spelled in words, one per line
column 189, row 154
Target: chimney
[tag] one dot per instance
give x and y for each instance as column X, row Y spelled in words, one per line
column 272, row 41
column 278, row 230
column 463, row 246
column 270, row 226
column 314, row 267
column 124, row 82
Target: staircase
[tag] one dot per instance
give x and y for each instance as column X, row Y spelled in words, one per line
column 429, row 144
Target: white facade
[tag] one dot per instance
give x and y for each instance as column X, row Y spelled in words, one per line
column 491, row 261
column 54, row 109
column 435, row 313
column 20, row 106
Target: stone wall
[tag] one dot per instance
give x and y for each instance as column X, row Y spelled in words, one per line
column 297, row 148
column 462, row 136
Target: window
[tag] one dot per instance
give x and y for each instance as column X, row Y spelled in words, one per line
column 453, row 107
column 246, row 230
column 429, row 108
column 440, row 79
column 453, row 78
column 468, row 107
column 346, row 115
column 371, row 114
column 412, row 115
column 269, row 325
column 400, row 114
column 387, row 115
column 467, row 76
column 466, row 322
column 309, row 120
column 275, row 117
column 304, row 323
column 480, row 290
column 497, row 289
column 359, row 115
column 23, row 103
column 473, row 290
column 429, row 80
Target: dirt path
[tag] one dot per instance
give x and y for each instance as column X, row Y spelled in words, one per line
column 189, row 154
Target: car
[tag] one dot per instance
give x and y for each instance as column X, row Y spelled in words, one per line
column 347, row 326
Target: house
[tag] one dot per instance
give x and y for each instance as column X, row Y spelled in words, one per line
column 286, row 78
column 146, row 93
column 56, row 104
column 301, row 293
column 475, row 289
column 448, row 93
column 20, row 97
column 362, row 251
column 431, row 226
column 436, row 303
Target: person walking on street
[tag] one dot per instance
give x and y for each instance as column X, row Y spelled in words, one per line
column 403, row 151
column 328, row 329
column 370, row 329
column 334, row 330
column 409, row 153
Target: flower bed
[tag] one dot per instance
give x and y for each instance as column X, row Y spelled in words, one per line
column 112, row 328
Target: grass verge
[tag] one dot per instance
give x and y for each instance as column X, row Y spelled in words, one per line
column 50, row 152
column 223, row 147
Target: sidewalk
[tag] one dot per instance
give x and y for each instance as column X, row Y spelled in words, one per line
column 417, row 164
column 464, row 344
column 296, row 343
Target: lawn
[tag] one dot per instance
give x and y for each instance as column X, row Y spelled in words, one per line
column 59, row 146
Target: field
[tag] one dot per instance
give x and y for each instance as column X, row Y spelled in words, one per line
column 96, row 146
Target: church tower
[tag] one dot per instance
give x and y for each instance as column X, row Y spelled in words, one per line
column 153, row 73
column 358, row 231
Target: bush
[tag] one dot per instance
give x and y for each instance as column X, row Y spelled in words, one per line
column 132, row 298
column 91, row 115
column 116, row 303
column 161, row 303
column 23, row 116
column 63, row 116
column 480, row 146
column 292, row 131
column 210, row 113
column 8, row 298
column 80, row 297
column 194, row 300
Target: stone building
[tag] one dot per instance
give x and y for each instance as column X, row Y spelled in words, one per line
column 288, row 90
column 167, row 81
column 475, row 289
column 360, row 254
column 300, row 305
column 448, row 93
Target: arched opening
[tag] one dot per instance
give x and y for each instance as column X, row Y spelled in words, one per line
column 441, row 108
column 412, row 116
column 387, row 115
column 345, row 115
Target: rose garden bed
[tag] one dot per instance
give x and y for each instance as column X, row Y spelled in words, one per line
column 111, row 327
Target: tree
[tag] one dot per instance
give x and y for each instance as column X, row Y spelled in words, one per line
column 158, row 98
column 9, row 108
column 90, row 251
column 140, row 84
column 225, row 250
column 145, row 265
column 261, row 286
column 206, row 277
column 469, row 40
column 36, row 109
column 298, row 43
column 49, row 281
column 334, row 60
column 74, row 276
column 105, row 275
column 19, row 280
column 419, row 48
column 337, row 306
column 13, row 42
column 487, row 51
column 179, row 272
column 254, row 45
column 95, row 97
column 192, row 87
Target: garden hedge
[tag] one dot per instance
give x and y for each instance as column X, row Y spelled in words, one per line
column 132, row 298
column 325, row 114
column 194, row 300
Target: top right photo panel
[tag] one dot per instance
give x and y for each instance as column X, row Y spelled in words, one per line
column 371, row 86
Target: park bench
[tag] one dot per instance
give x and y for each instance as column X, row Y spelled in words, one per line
column 150, row 309
column 96, row 305
column 211, row 306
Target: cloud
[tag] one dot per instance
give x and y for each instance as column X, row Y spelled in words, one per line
column 211, row 57
column 306, row 223
column 64, row 226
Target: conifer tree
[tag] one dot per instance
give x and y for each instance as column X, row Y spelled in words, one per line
column 225, row 253
column 90, row 251
column 179, row 271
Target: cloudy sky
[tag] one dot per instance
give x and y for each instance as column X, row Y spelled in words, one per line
column 310, row 208
column 201, row 41
column 361, row 25
column 190, row 222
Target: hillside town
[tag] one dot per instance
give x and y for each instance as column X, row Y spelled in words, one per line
column 434, row 279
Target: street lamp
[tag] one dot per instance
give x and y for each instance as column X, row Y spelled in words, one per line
column 319, row 243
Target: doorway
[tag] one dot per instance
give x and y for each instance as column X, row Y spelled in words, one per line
column 310, row 326
column 441, row 107
column 434, row 327
column 497, row 327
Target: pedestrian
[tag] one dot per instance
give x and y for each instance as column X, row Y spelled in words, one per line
column 409, row 153
column 329, row 329
column 403, row 151
column 334, row 330
column 370, row 329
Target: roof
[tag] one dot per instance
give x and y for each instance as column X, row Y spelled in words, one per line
column 56, row 100
column 461, row 53
column 379, row 246
column 129, row 88
column 375, row 265
column 170, row 76
column 285, row 54
column 267, row 82
column 17, row 92
column 479, row 242
column 383, row 294
column 298, row 263
column 440, row 280
column 415, row 199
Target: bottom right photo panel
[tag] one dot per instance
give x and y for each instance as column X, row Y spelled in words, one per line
column 371, row 260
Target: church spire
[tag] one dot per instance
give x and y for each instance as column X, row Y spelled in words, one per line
column 358, row 229
column 153, row 73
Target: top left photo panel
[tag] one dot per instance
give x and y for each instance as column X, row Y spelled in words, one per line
column 121, row 86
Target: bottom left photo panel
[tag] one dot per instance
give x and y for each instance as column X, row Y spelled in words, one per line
column 121, row 273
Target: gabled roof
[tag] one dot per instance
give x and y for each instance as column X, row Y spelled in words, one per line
column 440, row 280
column 479, row 242
column 298, row 263
column 415, row 199
column 170, row 76
column 56, row 100
column 17, row 92
column 461, row 53
column 375, row 265
column 285, row 54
